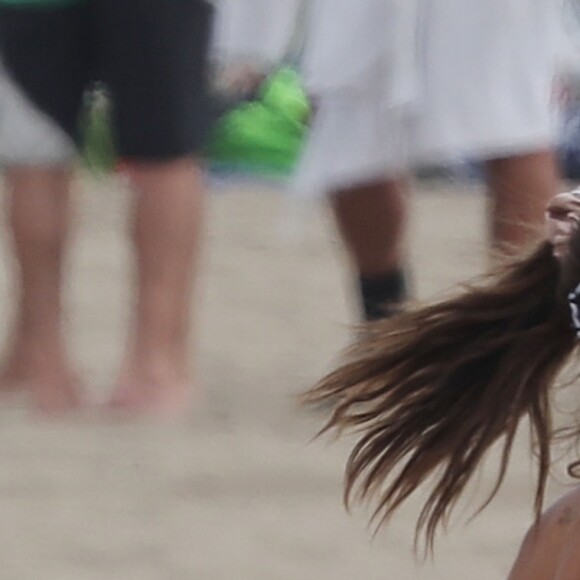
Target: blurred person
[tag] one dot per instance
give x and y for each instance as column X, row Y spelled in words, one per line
column 370, row 212
column 152, row 57
column 430, row 392
column 487, row 73
column 398, row 83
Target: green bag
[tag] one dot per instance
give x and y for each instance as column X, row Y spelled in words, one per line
column 264, row 135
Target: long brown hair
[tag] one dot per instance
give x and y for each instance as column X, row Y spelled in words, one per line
column 429, row 392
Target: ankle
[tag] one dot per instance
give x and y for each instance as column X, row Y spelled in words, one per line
column 159, row 359
column 382, row 294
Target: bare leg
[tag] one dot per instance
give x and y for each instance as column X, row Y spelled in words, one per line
column 520, row 189
column 372, row 220
column 155, row 376
column 39, row 204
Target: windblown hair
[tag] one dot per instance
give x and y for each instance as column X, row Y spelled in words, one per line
column 430, row 391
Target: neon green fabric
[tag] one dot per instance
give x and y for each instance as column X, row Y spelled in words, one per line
column 265, row 135
column 98, row 146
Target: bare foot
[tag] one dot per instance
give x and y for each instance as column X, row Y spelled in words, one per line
column 160, row 389
column 57, row 395
column 12, row 380
column 43, row 374
column 15, row 370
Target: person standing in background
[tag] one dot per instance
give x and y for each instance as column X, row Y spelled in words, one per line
column 370, row 213
column 398, row 83
column 152, row 56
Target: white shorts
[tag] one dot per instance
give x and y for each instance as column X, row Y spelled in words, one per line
column 353, row 139
column 487, row 78
column 27, row 136
column 484, row 81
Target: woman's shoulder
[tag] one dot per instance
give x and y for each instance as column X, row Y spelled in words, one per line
column 564, row 515
column 553, row 544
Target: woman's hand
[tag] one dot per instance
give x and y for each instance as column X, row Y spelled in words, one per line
column 562, row 219
column 242, row 78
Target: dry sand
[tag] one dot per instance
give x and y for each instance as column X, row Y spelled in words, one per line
column 238, row 493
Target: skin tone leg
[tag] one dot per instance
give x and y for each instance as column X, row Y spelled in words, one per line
column 37, row 359
column 155, row 375
column 520, row 189
column 371, row 220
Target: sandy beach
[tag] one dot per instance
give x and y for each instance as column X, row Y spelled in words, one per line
column 239, row 492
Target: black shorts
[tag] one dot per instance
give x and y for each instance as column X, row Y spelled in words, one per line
column 152, row 55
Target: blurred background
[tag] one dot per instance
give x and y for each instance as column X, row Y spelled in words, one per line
column 240, row 491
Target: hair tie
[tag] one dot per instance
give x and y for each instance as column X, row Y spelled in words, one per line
column 574, row 303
